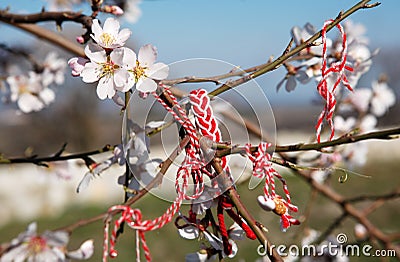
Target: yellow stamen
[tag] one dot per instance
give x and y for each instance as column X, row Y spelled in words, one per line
column 36, row 245
column 139, row 71
column 107, row 68
column 107, row 39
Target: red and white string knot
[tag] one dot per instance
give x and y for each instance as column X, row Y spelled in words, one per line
column 262, row 168
column 205, row 119
column 132, row 217
column 192, row 162
column 328, row 92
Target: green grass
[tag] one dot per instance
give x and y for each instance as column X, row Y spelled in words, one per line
column 166, row 245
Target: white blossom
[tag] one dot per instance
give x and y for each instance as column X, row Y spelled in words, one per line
column 368, row 123
column 54, row 69
column 77, row 64
column 383, row 98
column 355, row 32
column 143, row 69
column 109, row 36
column 344, row 126
column 360, row 99
column 49, row 246
column 107, row 70
column 29, row 93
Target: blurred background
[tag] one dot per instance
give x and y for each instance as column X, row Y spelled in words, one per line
column 242, row 33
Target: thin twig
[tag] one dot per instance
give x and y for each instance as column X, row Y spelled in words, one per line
column 55, row 157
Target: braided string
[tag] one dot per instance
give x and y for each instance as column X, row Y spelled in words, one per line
column 328, row 95
column 205, row 119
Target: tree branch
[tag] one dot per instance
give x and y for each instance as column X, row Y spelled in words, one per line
column 287, row 54
column 386, row 134
column 39, row 160
column 58, row 17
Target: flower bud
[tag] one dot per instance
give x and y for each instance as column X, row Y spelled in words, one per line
column 80, row 40
column 360, row 232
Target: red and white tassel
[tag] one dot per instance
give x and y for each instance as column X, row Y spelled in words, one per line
column 262, row 168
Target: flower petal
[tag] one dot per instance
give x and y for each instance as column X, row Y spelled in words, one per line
column 128, row 58
column 118, row 100
column 95, row 53
column 123, row 81
column 124, row 35
column 117, row 56
column 147, row 55
column 189, row 232
column 158, row 71
column 154, row 124
column 89, row 73
column 47, row 96
column 111, row 26
column 77, row 64
column 290, row 83
column 146, row 85
column 28, row 103
column 105, row 88
column 56, row 238
column 85, row 251
column 84, row 183
column 96, row 30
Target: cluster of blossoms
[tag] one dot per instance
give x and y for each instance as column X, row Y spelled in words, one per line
column 49, row 246
column 356, row 111
column 117, row 68
column 32, row 92
column 308, row 64
column 135, row 152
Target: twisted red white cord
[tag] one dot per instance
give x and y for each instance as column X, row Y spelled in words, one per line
column 262, row 168
column 327, row 92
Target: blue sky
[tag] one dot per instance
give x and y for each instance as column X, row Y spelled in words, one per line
column 241, row 32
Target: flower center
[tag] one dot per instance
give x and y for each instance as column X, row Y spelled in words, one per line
column 23, row 88
column 108, row 69
column 36, row 245
column 139, row 71
column 107, row 39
